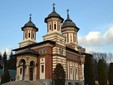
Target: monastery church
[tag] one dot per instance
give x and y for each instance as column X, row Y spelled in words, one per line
column 37, row 60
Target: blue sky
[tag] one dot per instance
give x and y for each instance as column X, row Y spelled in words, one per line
column 93, row 17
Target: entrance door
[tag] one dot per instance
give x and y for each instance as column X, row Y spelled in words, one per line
column 31, row 74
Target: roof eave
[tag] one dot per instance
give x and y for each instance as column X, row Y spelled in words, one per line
column 53, row 17
column 32, row 45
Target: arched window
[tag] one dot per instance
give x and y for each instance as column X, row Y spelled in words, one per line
column 76, row 71
column 55, row 26
column 22, row 62
column 32, row 64
column 29, row 34
column 20, row 71
column 50, row 26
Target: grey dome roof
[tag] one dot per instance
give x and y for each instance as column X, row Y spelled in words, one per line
column 69, row 23
column 29, row 24
column 53, row 14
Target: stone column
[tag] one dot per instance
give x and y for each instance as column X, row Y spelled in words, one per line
column 17, row 73
column 34, row 74
column 26, row 72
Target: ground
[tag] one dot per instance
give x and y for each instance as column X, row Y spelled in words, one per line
column 24, row 83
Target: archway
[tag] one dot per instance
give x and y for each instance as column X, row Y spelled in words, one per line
column 22, row 65
column 31, row 70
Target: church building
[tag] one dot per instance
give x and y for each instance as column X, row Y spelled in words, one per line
column 37, row 60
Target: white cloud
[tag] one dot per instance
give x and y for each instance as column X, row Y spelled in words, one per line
column 8, row 51
column 95, row 39
column 108, row 36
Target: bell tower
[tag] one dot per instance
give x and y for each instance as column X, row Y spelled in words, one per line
column 29, row 33
column 54, row 21
column 69, row 30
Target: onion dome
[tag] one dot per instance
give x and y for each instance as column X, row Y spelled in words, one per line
column 29, row 24
column 53, row 14
column 68, row 22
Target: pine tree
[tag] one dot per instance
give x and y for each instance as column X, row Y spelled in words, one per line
column 95, row 69
column 110, row 74
column 89, row 70
column 12, row 62
column 102, row 76
column 5, row 77
column 59, row 75
column 5, row 59
column 0, row 61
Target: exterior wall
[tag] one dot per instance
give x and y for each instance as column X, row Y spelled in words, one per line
column 26, row 42
column 29, row 36
column 55, row 36
column 51, row 22
column 48, row 65
column 72, row 70
column 58, row 59
column 42, row 68
column 45, row 54
column 32, row 34
column 25, row 75
column 51, row 57
column 71, row 39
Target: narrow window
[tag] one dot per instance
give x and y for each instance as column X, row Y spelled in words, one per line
column 20, row 71
column 33, row 35
column 50, row 26
column 76, row 71
column 42, row 68
column 29, row 34
column 55, row 26
column 71, row 70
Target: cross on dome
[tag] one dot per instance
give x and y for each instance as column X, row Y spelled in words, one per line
column 67, row 10
column 67, row 14
column 53, row 6
column 30, row 17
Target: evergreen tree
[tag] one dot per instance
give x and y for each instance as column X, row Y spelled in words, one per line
column 5, row 77
column 95, row 69
column 0, row 61
column 12, row 62
column 59, row 75
column 110, row 74
column 89, row 70
column 0, row 57
column 102, row 76
column 5, row 59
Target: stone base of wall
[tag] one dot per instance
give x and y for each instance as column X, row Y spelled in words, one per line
column 74, row 82
column 67, row 82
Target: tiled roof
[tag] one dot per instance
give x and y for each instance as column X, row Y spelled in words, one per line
column 29, row 24
column 12, row 73
column 53, row 14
